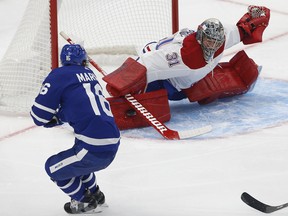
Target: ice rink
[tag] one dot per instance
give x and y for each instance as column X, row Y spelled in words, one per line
column 151, row 176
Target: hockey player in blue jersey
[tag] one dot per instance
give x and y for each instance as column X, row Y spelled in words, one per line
column 72, row 94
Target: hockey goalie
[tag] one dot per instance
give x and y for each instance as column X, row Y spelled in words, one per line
column 188, row 64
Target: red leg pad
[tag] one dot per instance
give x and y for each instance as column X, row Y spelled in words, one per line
column 230, row 78
column 155, row 102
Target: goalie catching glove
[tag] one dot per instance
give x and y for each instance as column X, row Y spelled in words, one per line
column 253, row 24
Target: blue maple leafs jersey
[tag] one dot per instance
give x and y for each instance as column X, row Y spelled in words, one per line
column 73, row 94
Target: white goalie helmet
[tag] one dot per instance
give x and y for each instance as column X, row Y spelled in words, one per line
column 210, row 35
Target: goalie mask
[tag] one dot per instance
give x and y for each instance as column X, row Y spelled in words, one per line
column 73, row 54
column 210, row 35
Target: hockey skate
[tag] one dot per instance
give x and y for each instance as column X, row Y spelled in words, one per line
column 99, row 196
column 91, row 203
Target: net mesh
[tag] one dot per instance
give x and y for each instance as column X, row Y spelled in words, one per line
column 104, row 27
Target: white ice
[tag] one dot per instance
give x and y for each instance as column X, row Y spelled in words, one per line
column 153, row 176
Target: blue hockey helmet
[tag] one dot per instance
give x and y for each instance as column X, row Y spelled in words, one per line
column 73, row 54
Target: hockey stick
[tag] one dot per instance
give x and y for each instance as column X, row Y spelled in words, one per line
column 149, row 118
column 160, row 127
column 69, row 40
column 256, row 204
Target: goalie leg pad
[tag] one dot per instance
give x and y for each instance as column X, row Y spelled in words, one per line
column 127, row 118
column 230, row 78
column 130, row 77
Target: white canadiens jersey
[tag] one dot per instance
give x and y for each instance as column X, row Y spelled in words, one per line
column 179, row 57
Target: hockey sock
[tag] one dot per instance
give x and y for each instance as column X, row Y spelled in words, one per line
column 89, row 182
column 73, row 188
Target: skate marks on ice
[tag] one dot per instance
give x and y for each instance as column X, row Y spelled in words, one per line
column 266, row 106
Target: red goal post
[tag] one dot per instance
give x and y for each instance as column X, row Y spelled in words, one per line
column 112, row 27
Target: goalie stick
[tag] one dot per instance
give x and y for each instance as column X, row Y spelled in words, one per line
column 256, row 204
column 148, row 117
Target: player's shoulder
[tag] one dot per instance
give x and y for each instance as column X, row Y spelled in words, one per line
column 58, row 71
column 184, row 32
column 66, row 71
column 59, row 75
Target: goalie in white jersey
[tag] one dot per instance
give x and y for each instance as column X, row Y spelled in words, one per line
column 187, row 64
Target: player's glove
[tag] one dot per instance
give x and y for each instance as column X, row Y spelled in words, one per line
column 55, row 121
column 253, row 24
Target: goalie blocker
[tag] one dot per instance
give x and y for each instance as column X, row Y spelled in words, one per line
column 129, row 78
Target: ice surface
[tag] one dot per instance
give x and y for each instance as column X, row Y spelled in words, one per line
column 205, row 176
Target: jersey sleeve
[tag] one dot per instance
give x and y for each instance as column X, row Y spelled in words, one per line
column 47, row 101
column 232, row 35
column 165, row 61
column 164, row 64
column 179, row 58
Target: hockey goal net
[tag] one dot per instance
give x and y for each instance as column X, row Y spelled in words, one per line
column 107, row 27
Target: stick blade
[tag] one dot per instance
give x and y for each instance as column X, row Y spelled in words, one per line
column 195, row 132
column 179, row 135
column 254, row 203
